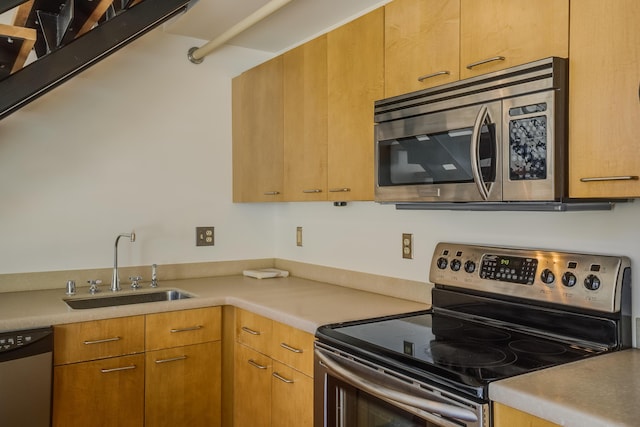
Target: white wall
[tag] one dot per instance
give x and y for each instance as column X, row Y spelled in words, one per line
column 143, row 141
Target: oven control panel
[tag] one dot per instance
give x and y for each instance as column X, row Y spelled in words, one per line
column 587, row 281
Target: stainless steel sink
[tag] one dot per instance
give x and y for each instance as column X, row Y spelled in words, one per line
column 132, row 298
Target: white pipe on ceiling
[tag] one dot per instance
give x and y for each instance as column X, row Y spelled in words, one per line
column 197, row 54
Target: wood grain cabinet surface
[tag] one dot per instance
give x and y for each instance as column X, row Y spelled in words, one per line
column 604, row 99
column 505, row 416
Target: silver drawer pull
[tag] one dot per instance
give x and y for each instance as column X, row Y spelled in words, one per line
column 339, row 190
column 288, row 347
column 173, row 359
column 281, row 378
column 271, row 193
column 250, row 331
column 485, row 61
column 191, row 328
column 429, row 76
column 610, row 178
column 101, row 341
column 256, row 364
column 123, row 368
column 314, row 190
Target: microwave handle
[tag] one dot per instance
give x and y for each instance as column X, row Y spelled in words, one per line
column 475, row 158
column 395, row 396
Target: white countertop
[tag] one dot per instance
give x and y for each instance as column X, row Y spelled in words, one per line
column 601, row 391
column 301, row 303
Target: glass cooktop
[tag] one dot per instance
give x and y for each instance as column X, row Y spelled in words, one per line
column 462, row 353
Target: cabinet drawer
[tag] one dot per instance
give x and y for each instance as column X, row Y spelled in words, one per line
column 253, row 330
column 77, row 342
column 293, row 347
column 185, row 327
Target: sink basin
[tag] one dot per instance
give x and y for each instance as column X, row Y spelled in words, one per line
column 133, row 298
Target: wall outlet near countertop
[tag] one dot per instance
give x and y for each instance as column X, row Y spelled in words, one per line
column 205, row 236
column 407, row 245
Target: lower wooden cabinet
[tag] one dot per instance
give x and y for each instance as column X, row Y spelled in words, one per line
column 505, row 416
column 291, row 397
column 107, row 392
column 252, row 388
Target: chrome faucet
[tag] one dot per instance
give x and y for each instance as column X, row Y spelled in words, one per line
column 115, row 278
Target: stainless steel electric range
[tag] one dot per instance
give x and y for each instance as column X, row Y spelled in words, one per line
column 496, row 312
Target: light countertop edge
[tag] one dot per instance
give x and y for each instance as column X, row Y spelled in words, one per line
column 600, row 391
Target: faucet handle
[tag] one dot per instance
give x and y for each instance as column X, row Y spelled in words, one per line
column 134, row 281
column 94, row 286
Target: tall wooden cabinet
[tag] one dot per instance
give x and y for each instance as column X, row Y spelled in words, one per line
column 604, row 99
column 257, row 126
column 421, row 44
column 497, row 34
column 305, row 121
column 355, row 80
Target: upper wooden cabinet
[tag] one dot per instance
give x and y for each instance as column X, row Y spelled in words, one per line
column 355, row 80
column 421, row 44
column 604, row 104
column 305, row 121
column 519, row 31
column 257, row 126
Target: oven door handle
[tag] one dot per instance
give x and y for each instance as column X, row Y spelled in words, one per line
column 475, row 153
column 389, row 394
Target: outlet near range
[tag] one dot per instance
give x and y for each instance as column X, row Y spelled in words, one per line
column 205, row 236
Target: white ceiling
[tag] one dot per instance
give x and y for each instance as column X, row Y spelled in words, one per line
column 298, row 21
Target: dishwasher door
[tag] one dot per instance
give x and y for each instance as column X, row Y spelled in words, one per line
column 26, row 364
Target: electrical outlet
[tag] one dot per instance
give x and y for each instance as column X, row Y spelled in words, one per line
column 407, row 245
column 205, row 236
column 298, row 236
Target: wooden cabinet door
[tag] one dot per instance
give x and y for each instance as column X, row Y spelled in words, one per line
column 604, row 104
column 422, row 40
column 107, row 392
column 293, row 347
column 519, row 31
column 355, row 80
column 505, row 416
column 183, row 386
column 252, row 388
column 257, row 126
column 305, row 121
column 292, row 397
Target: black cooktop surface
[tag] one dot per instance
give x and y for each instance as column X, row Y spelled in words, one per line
column 462, row 354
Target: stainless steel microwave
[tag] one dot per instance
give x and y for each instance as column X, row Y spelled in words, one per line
column 499, row 137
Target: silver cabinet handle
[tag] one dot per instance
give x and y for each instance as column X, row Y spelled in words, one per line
column 288, row 347
column 485, row 61
column 123, row 368
column 428, row 76
column 340, row 190
column 314, row 190
column 190, row 328
column 271, row 193
column 102, row 341
column 173, row 359
column 256, row 364
column 281, row 378
column 610, row 178
column 250, row 331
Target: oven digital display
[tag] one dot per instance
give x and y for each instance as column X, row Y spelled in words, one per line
column 509, row 269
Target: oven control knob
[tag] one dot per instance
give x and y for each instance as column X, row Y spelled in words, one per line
column 547, row 276
column 455, row 265
column 469, row 266
column 569, row 279
column 592, row 282
column 442, row 263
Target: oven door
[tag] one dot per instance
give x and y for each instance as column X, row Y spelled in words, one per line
column 446, row 156
column 351, row 392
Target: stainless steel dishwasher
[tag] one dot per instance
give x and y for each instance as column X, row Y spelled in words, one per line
column 26, row 363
